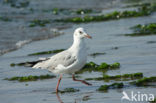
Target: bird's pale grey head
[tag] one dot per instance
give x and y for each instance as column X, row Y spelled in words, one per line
column 80, row 33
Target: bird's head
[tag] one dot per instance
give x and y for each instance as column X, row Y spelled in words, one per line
column 80, row 33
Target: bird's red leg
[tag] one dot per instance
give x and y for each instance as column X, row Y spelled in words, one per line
column 82, row 81
column 58, row 83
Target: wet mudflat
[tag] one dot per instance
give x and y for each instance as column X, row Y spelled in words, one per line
column 134, row 53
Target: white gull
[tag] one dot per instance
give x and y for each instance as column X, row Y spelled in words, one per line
column 70, row 60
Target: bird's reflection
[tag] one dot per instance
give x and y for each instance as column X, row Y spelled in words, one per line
column 58, row 97
column 84, row 98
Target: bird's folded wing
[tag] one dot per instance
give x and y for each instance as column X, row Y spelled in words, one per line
column 64, row 58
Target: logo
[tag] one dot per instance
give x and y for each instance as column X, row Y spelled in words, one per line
column 137, row 96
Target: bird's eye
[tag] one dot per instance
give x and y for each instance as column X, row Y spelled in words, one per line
column 80, row 32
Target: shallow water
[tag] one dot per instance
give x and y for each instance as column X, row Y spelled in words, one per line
column 16, row 30
column 134, row 54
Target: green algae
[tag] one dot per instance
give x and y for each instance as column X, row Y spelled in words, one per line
column 30, row 78
column 103, row 67
column 142, row 11
column 144, row 81
column 47, row 52
column 119, row 77
column 89, row 67
column 114, row 65
column 37, row 22
column 141, row 30
column 55, row 11
column 145, row 29
column 69, row 90
column 6, row 19
column 111, row 86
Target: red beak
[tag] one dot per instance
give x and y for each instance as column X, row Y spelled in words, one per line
column 88, row 36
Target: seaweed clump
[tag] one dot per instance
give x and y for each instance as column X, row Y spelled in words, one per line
column 143, row 11
column 47, row 52
column 68, row 90
column 144, row 81
column 30, row 78
column 108, row 66
column 140, row 30
column 111, row 86
column 103, row 67
column 4, row 19
column 119, row 77
column 37, row 22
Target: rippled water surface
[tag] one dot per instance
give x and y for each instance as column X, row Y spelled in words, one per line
column 133, row 53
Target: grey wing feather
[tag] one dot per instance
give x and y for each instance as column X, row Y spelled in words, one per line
column 65, row 58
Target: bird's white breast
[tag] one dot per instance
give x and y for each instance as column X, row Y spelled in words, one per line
column 81, row 56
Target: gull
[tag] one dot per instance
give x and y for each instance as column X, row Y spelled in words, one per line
column 70, row 60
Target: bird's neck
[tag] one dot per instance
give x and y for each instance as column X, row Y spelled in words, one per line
column 78, row 44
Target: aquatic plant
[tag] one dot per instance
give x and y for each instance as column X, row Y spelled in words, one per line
column 55, row 10
column 143, row 11
column 114, row 65
column 103, row 67
column 37, row 22
column 140, row 30
column 90, row 65
column 2, row 18
column 30, row 78
column 68, row 90
column 47, row 52
column 145, row 29
column 144, row 81
column 119, row 77
column 111, row 86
